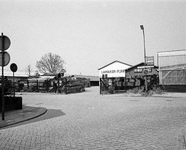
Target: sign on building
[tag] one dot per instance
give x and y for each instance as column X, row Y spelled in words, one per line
column 150, row 60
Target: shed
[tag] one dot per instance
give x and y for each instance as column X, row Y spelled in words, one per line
column 114, row 69
column 140, row 70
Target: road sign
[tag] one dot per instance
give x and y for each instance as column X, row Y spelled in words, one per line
column 6, row 58
column 13, row 67
column 4, row 42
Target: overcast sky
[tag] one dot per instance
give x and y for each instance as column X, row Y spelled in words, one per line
column 89, row 34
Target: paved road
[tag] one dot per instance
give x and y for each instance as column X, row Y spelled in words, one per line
column 91, row 121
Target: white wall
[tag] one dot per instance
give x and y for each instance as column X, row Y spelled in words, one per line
column 116, row 69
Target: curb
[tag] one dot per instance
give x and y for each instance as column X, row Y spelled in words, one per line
column 19, row 116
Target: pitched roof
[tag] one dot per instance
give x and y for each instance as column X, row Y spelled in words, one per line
column 114, row 62
column 140, row 64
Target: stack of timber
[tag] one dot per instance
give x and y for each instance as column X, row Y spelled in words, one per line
column 75, row 85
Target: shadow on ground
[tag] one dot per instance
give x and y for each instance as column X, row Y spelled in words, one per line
column 51, row 113
column 48, row 114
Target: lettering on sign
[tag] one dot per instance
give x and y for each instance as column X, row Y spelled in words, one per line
column 120, row 71
column 112, row 71
column 138, row 70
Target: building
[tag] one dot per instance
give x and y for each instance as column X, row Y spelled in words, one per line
column 139, row 70
column 19, row 75
column 112, row 76
column 114, row 69
column 172, row 70
column 135, row 76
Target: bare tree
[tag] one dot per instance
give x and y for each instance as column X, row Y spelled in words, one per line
column 50, row 63
column 28, row 70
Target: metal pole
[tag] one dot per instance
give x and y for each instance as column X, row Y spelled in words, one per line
column 65, row 85
column 144, row 47
column 142, row 28
column 58, row 84
column 13, row 85
column 3, row 102
column 99, row 85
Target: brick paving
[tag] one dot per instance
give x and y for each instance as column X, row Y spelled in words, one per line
column 90, row 121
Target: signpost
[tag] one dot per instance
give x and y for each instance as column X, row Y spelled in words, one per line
column 4, row 59
column 13, row 68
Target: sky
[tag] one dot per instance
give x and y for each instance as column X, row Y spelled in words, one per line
column 89, row 34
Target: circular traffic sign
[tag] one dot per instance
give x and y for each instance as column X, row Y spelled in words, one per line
column 4, row 42
column 13, row 67
column 6, row 58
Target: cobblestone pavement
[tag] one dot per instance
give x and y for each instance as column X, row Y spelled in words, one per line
column 94, row 122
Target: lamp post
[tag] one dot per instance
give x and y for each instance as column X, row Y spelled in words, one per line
column 142, row 28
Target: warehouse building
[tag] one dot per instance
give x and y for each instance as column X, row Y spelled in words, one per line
column 172, row 70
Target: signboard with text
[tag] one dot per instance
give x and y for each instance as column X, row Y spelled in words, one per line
column 150, row 60
column 114, row 73
column 114, row 70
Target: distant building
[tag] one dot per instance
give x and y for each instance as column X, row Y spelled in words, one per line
column 19, row 75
